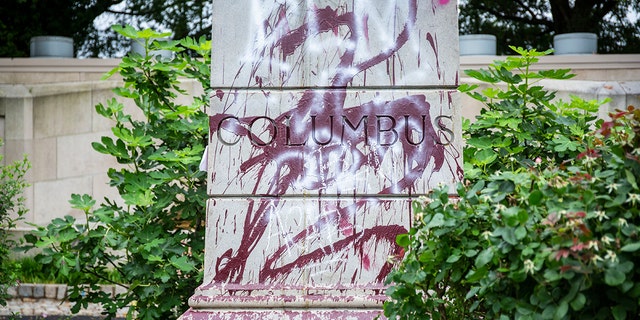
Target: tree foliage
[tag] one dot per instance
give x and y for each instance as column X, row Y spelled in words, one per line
column 88, row 22
column 526, row 23
column 533, row 23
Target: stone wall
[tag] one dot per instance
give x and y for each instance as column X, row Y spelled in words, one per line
column 47, row 112
column 54, row 124
column 614, row 76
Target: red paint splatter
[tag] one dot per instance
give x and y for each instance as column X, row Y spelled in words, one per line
column 230, row 266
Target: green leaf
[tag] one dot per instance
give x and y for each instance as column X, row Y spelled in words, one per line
column 491, row 92
column 557, row 74
column 507, row 76
column 127, row 30
column 518, row 275
column 134, row 138
column 485, row 156
column 512, row 123
column 107, row 146
column 426, row 256
column 625, row 267
column 619, row 312
column 561, row 311
column 552, row 275
column 520, row 232
column 507, row 234
column 154, row 243
column 480, row 142
column 413, row 274
column 139, row 198
column 562, row 144
column 477, row 275
column 110, row 73
column 613, row 277
column 151, row 34
column 484, row 257
column 131, row 32
column 403, row 240
column 482, row 75
column 632, row 247
column 535, row 198
column 66, row 235
column 83, row 202
column 578, row 302
column 126, row 93
column 506, row 186
column 465, row 87
column 437, row 220
column 472, row 292
column 453, row 258
column 631, row 178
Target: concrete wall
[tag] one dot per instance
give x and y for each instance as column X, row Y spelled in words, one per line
column 614, row 76
column 54, row 124
column 47, row 112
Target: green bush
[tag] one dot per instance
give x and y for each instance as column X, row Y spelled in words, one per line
column 521, row 126
column 546, row 233
column 154, row 236
column 12, row 209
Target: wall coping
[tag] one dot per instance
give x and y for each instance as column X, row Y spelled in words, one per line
column 50, row 89
column 62, row 65
column 22, row 91
column 589, row 62
column 577, row 61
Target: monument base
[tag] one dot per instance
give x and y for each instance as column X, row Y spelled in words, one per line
column 281, row 314
column 264, row 304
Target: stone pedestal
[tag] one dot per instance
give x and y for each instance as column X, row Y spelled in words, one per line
column 329, row 117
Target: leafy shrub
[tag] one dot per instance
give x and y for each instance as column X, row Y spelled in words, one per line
column 12, row 209
column 520, row 123
column 155, row 238
column 552, row 234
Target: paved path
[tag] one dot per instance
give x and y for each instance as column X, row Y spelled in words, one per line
column 46, row 300
column 45, row 308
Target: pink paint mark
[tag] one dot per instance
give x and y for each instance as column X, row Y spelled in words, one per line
column 220, row 94
column 365, row 24
column 434, row 45
column 366, row 262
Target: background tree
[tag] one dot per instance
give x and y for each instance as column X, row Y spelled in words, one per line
column 533, row 23
column 22, row 19
column 88, row 22
column 527, row 23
